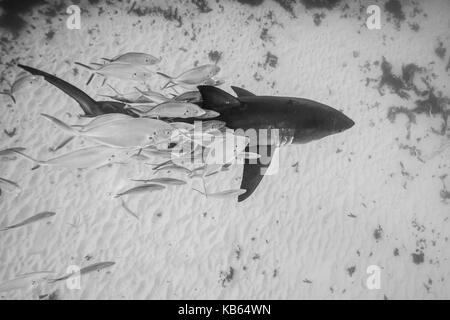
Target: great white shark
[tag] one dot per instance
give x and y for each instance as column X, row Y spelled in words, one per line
column 297, row 121
column 90, row 107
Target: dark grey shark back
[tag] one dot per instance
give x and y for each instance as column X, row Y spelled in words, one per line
column 301, row 120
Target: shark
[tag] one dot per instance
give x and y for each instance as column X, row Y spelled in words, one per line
column 296, row 121
column 90, row 107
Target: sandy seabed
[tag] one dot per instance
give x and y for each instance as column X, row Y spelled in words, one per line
column 377, row 194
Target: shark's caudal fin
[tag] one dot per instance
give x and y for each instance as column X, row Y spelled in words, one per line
column 240, row 92
column 254, row 172
column 86, row 103
column 217, row 99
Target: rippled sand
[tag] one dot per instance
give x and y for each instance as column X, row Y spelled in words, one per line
column 377, row 194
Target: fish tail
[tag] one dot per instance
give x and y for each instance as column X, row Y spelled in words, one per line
column 166, row 76
column 113, row 89
column 90, row 79
column 9, row 95
column 63, row 126
column 199, row 191
column 39, row 162
column 84, row 65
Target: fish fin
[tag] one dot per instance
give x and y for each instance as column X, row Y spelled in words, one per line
column 114, row 89
column 86, row 103
column 240, row 92
column 168, row 77
column 90, row 79
column 254, row 171
column 62, row 125
column 38, row 162
column 9, row 95
column 199, row 191
column 106, row 59
column 84, row 65
column 217, row 99
column 63, row 143
column 164, row 75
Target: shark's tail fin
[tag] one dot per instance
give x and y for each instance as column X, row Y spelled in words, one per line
column 86, row 103
column 217, row 99
column 10, row 95
column 63, row 126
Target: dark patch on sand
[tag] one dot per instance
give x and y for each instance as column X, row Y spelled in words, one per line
column 351, row 270
column 317, row 18
column 265, row 36
column 49, row 35
column 320, row 4
column 396, row 252
column 418, row 257
column 10, row 133
column 440, row 50
column 394, row 8
column 202, row 6
column 395, row 83
column 252, row 3
column 378, row 233
column 169, row 13
column 214, row 56
column 271, row 60
column 226, row 276
column 13, row 10
column 287, row 5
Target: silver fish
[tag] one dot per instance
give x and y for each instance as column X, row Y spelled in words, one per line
column 166, row 181
column 137, row 58
column 194, row 76
column 130, row 97
column 119, row 70
column 189, row 96
column 153, row 96
column 123, row 133
column 124, row 205
column 20, row 84
column 10, row 151
column 174, row 167
column 223, row 194
column 9, row 185
column 141, row 189
column 176, row 109
column 36, row 217
column 24, row 281
column 88, row 269
column 88, row 157
column 208, row 114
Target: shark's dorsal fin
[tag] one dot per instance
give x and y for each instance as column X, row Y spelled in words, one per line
column 240, row 92
column 217, row 99
column 254, row 172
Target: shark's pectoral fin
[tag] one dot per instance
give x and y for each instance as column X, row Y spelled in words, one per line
column 240, row 92
column 255, row 169
column 217, row 99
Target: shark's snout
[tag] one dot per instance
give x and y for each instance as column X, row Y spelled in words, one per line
column 344, row 123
